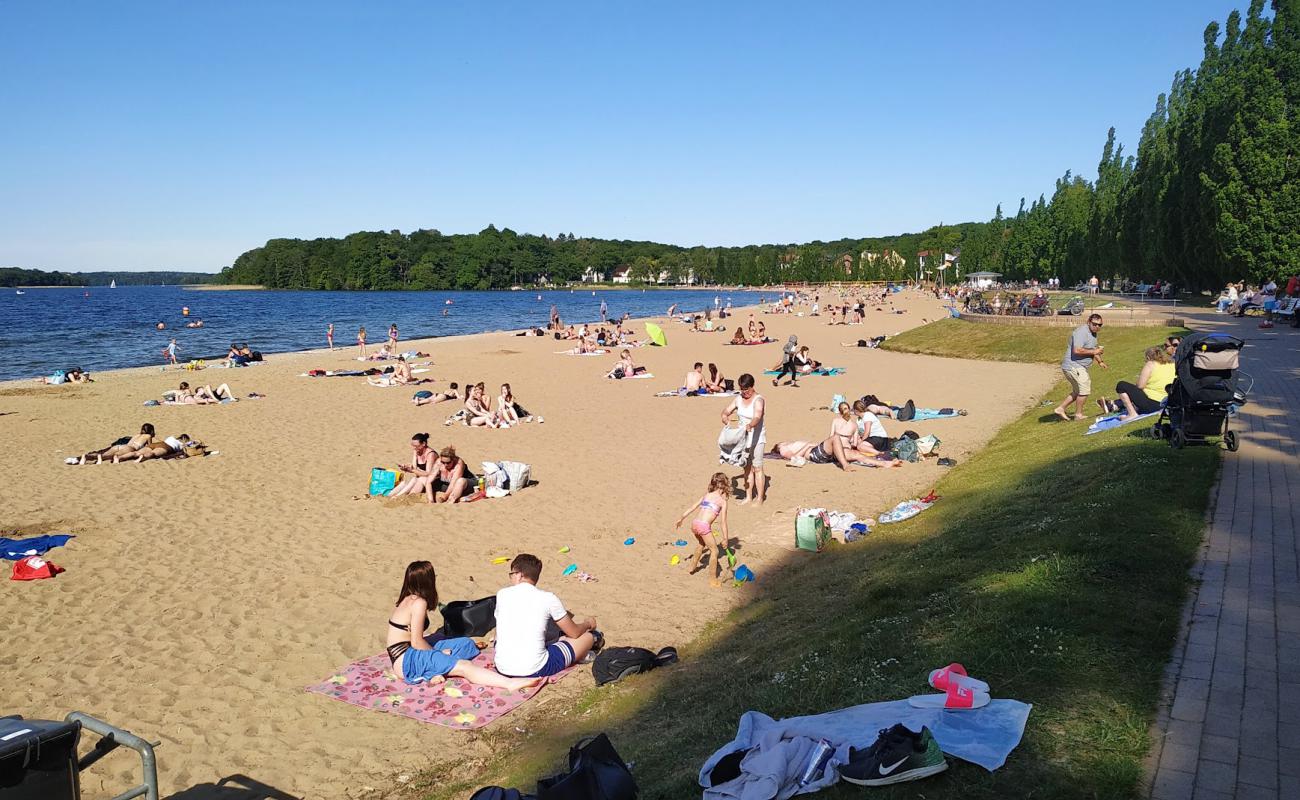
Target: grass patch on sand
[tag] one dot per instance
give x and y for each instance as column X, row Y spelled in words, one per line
column 1054, row 567
column 953, row 338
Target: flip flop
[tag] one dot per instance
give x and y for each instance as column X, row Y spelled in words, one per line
column 955, row 673
column 957, row 698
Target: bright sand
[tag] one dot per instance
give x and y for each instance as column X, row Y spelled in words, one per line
column 202, row 595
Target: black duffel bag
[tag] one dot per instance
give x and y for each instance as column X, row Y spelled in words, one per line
column 615, row 663
column 596, row 772
column 469, row 617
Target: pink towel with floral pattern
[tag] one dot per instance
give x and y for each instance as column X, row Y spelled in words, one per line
column 455, row 703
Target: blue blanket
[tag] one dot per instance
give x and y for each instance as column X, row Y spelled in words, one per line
column 15, row 549
column 923, row 414
column 1114, row 421
column 825, row 371
column 778, row 749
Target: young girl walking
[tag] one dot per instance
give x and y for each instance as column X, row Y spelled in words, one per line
column 361, row 339
column 711, row 508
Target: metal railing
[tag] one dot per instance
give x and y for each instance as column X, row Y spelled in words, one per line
column 111, row 738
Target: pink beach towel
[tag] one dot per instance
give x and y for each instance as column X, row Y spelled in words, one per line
column 371, row 683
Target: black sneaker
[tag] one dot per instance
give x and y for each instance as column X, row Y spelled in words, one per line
column 898, row 755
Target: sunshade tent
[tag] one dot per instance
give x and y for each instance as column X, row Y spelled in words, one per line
column 656, row 334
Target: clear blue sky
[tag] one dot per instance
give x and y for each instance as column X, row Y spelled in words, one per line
column 177, row 135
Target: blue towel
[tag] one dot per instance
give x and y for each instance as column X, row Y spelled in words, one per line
column 932, row 413
column 16, row 549
column 1113, row 421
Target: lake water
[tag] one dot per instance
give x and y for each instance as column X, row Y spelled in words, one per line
column 99, row 328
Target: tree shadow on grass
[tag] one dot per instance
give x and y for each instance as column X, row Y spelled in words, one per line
column 1053, row 567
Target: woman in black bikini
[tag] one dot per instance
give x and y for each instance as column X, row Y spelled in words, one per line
column 451, row 479
column 424, row 462
column 417, row 659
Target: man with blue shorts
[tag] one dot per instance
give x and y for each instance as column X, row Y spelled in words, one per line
column 523, row 613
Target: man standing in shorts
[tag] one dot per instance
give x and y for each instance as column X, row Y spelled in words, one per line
column 1082, row 351
column 523, row 613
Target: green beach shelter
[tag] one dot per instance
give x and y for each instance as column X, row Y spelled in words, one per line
column 656, row 334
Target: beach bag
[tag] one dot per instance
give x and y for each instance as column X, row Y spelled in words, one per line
column 616, row 663
column 811, row 530
column 469, row 617
column 928, row 444
column 518, row 474
column 383, row 481
column 906, row 449
column 596, row 772
column 494, row 477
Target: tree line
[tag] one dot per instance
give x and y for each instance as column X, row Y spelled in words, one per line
column 1212, row 194
column 13, row 276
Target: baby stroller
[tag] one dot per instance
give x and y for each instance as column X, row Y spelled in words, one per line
column 1039, row 306
column 1072, row 309
column 1204, row 392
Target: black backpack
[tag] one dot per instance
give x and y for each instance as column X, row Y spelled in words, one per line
column 615, row 663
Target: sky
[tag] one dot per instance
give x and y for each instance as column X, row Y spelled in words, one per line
column 178, row 135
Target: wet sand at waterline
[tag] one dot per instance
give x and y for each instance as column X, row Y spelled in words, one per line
column 202, row 595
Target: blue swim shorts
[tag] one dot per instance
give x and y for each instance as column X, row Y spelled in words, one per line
column 559, row 657
column 419, row 666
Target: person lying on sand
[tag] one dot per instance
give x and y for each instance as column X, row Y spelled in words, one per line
column 433, row 398
column 200, row 396
column 74, row 375
column 124, row 446
column 170, row 447
column 400, row 376
column 417, row 476
column 418, row 660
column 523, row 611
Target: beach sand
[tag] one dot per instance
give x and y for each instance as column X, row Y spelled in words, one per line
column 202, row 595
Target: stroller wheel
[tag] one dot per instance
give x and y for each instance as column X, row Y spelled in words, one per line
column 1230, row 439
column 1157, row 432
column 1177, row 438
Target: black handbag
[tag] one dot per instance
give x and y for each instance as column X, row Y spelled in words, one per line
column 596, row 772
column 469, row 617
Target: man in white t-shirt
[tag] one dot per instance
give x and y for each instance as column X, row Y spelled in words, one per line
column 523, row 612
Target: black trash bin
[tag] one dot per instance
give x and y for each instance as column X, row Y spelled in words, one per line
column 38, row 759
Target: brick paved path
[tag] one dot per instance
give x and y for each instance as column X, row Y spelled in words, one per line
column 1232, row 729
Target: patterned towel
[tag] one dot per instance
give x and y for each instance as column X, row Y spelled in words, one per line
column 371, row 683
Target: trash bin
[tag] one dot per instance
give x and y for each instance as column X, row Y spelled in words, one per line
column 38, row 759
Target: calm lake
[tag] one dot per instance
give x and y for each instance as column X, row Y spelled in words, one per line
column 98, row 328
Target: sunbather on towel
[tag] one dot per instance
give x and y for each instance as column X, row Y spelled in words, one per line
column 433, row 398
column 170, row 447
column 400, row 375
column 418, row 660
column 122, row 447
column 625, row 368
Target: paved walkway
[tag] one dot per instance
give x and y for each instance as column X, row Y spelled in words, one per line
column 1232, row 729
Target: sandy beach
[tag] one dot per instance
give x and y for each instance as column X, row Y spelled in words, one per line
column 202, row 595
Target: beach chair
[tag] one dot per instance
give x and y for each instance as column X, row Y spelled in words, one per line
column 1287, row 310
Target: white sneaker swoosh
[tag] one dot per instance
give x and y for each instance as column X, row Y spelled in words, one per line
column 886, row 770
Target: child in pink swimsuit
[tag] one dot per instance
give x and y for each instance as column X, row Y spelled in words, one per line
column 712, row 507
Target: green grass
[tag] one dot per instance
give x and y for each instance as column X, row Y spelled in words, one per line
column 1055, row 567
column 956, row 339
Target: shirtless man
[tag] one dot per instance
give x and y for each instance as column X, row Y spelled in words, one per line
column 694, row 379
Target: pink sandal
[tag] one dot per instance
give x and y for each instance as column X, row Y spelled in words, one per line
column 955, row 673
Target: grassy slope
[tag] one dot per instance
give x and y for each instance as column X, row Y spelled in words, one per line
column 1054, row 567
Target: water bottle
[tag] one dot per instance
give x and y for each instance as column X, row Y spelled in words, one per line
column 817, row 761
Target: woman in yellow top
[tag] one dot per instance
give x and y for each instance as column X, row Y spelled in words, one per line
column 1151, row 388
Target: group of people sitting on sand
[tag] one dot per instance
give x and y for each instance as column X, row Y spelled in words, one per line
column 478, row 409
column 142, row 447
column 441, row 476
column 595, row 340
column 536, row 636
column 697, row 381
column 703, row 322
column 754, row 332
column 856, row 437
